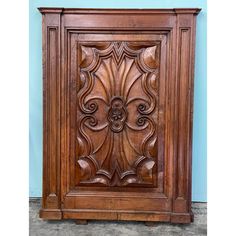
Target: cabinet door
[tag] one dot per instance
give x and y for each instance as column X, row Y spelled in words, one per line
column 117, row 125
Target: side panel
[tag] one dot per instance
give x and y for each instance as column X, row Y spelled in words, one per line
column 51, row 116
column 184, row 112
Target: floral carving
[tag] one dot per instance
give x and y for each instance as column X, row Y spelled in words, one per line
column 117, row 114
column 108, row 106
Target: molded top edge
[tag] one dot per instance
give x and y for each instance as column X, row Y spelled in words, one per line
column 61, row 10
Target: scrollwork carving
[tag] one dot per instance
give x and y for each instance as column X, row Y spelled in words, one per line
column 118, row 101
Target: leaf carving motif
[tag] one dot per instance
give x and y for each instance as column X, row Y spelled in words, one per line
column 108, row 106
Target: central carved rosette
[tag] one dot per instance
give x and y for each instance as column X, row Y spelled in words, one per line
column 117, row 114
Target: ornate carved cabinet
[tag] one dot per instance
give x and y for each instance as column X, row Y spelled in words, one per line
column 117, row 100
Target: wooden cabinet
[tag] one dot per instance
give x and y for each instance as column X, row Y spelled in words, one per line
column 117, row 100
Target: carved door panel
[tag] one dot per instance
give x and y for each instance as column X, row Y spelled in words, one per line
column 118, row 95
column 117, row 111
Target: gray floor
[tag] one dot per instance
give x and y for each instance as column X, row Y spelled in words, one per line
column 40, row 227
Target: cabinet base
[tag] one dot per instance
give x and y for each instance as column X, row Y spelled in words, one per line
column 50, row 214
column 84, row 215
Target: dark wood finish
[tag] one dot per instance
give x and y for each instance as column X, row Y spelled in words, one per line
column 118, row 100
